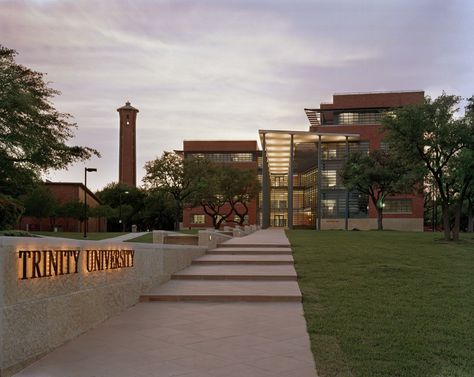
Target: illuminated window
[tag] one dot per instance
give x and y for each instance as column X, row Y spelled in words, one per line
column 224, row 157
column 347, row 118
column 329, row 178
column 197, row 219
column 397, row 206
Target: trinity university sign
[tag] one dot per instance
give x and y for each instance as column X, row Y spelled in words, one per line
column 46, row 263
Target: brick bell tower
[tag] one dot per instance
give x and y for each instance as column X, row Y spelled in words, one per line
column 128, row 151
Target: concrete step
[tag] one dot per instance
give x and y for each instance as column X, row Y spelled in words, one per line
column 229, row 290
column 243, row 259
column 237, row 272
column 249, row 251
column 254, row 245
column 265, row 259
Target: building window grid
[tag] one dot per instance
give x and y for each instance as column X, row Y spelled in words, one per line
column 393, row 206
column 337, row 151
column 347, row 118
column 198, row 219
column 224, row 157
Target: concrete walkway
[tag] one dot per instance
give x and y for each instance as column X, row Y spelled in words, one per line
column 125, row 237
column 236, row 312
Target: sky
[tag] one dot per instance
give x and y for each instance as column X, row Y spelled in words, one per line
column 222, row 69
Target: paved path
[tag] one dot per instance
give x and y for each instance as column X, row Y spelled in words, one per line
column 232, row 314
column 125, row 237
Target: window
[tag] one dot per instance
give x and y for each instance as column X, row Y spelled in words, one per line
column 237, row 219
column 347, row 118
column 329, row 178
column 397, row 206
column 224, row 157
column 197, row 219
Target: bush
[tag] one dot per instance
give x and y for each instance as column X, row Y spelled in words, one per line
column 10, row 212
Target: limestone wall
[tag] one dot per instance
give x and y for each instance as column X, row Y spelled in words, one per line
column 38, row 314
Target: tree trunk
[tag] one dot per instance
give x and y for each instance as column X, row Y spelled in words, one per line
column 178, row 215
column 457, row 221
column 446, row 222
column 379, row 218
column 470, row 217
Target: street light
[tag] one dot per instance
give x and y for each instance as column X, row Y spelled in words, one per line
column 86, row 220
column 120, row 210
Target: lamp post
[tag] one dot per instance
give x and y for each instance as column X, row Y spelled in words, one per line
column 120, row 210
column 86, row 170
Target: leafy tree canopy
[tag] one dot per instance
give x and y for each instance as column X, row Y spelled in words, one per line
column 33, row 134
column 177, row 176
column 377, row 175
column 437, row 137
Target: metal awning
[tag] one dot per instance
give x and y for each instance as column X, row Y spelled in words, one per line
column 277, row 145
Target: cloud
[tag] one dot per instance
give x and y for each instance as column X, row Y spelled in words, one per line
column 221, row 70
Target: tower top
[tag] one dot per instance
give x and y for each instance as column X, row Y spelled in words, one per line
column 127, row 106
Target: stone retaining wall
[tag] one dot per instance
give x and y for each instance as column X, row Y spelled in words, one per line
column 39, row 314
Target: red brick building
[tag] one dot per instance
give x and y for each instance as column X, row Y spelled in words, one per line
column 299, row 170
column 301, row 182
column 67, row 193
column 242, row 154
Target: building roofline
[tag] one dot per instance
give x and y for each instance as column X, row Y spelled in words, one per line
column 76, row 184
column 289, row 132
column 378, row 92
column 353, row 108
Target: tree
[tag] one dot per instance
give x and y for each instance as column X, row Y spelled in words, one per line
column 73, row 210
column 175, row 175
column 434, row 135
column 33, row 134
column 224, row 191
column 40, row 204
column 159, row 211
column 126, row 202
column 101, row 211
column 245, row 187
column 212, row 194
column 10, row 212
column 377, row 175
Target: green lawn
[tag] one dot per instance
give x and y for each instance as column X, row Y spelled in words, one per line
column 80, row 236
column 387, row 303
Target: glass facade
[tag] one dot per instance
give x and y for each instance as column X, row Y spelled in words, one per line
column 334, row 199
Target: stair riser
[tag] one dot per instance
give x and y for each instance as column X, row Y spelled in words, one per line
column 246, row 252
column 223, row 298
column 241, row 277
column 263, row 263
column 252, row 245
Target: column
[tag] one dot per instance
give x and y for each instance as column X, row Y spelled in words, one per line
column 319, row 201
column 346, row 214
column 290, row 186
column 265, row 187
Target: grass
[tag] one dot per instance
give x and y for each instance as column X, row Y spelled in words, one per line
column 146, row 238
column 15, row 233
column 387, row 303
column 80, row 236
column 190, row 231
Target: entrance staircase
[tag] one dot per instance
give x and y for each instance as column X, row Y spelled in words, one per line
column 238, row 270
